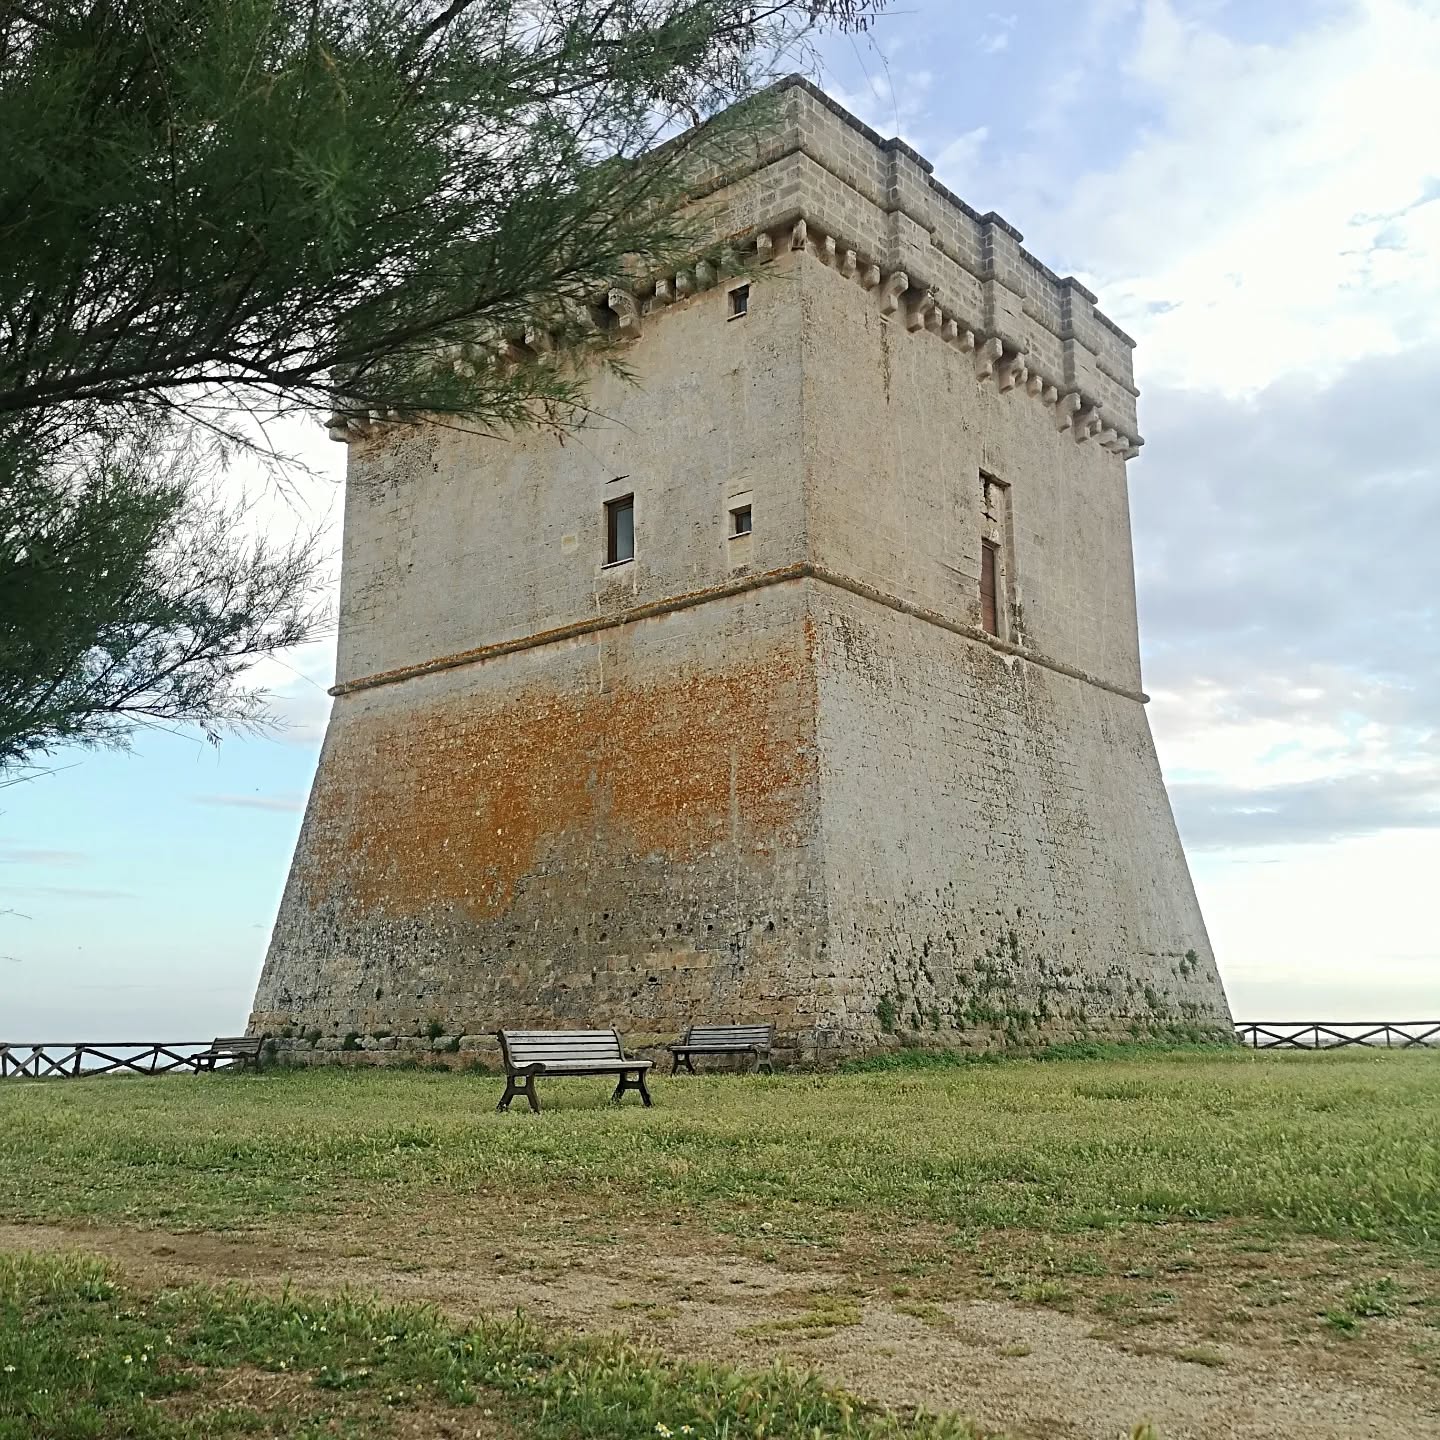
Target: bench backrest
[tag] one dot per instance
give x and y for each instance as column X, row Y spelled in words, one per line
column 238, row 1044
column 529, row 1047
column 760, row 1036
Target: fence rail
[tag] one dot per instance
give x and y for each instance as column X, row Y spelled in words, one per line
column 1334, row 1035
column 68, row 1060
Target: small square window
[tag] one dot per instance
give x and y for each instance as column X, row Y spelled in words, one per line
column 740, row 521
column 739, row 301
column 619, row 530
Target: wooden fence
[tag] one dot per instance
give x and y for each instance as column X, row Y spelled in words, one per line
column 83, row 1058
column 1328, row 1035
column 39, row 1061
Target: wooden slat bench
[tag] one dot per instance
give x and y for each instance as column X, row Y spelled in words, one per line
column 241, row 1050
column 753, row 1040
column 528, row 1053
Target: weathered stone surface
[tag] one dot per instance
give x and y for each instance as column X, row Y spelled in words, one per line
column 779, row 775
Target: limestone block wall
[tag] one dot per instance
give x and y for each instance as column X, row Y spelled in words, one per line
column 782, row 776
column 1000, row 857
column 615, row 830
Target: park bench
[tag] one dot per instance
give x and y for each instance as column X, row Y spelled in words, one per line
column 528, row 1053
column 753, row 1040
column 241, row 1050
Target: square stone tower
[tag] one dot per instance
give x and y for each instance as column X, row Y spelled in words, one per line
column 802, row 687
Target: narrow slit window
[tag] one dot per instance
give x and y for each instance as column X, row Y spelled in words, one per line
column 989, row 587
column 739, row 301
column 740, row 520
column 619, row 530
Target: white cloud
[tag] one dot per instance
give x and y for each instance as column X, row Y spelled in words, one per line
column 1274, row 214
column 37, row 855
column 288, row 803
column 958, row 159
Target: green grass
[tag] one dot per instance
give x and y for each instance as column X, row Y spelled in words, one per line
column 82, row 1357
column 1342, row 1144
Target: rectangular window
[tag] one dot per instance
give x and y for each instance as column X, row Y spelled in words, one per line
column 619, row 530
column 739, row 301
column 740, row 520
column 989, row 586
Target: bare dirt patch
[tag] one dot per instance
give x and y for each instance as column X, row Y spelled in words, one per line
column 1187, row 1329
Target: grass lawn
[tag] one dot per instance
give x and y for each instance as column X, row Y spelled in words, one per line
column 1199, row 1206
column 1344, row 1144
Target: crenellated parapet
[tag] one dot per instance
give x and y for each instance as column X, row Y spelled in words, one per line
column 821, row 183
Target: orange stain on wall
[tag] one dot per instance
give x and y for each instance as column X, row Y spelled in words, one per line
column 456, row 801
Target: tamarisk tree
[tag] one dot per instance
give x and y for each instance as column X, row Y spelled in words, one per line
column 211, row 209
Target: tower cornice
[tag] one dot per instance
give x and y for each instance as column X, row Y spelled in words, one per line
column 821, row 182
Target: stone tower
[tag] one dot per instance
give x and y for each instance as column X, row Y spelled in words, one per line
column 803, row 686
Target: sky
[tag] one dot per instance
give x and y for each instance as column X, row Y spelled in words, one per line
column 1253, row 190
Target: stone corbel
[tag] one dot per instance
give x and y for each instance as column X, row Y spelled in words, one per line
column 336, row 428
column 918, row 315
column 1049, row 395
column 664, row 292
column 1065, row 410
column 799, row 232
column 1014, row 370
column 1035, row 385
column 826, row 251
column 1087, row 422
column 1131, row 453
column 466, row 360
column 627, row 311
column 684, row 284
column 764, row 248
column 895, row 285
column 705, row 275
column 849, row 264
column 986, row 356
column 871, row 278
column 1107, row 439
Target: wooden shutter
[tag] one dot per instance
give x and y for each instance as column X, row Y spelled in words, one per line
column 989, row 588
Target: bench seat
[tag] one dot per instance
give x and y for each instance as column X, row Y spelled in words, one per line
column 241, row 1050
column 531, row 1053
column 756, row 1040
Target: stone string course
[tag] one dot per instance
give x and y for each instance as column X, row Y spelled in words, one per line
column 871, row 208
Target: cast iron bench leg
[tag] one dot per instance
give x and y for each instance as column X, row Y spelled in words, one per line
column 519, row 1085
column 626, row 1083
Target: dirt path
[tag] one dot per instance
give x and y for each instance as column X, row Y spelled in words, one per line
column 1030, row 1371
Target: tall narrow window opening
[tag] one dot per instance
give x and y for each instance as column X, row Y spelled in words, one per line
column 620, row 530
column 739, row 301
column 741, row 520
column 989, row 586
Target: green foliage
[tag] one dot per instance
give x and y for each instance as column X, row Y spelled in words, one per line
column 128, row 593
column 219, row 211
column 434, row 1029
column 80, row 1355
column 887, row 1013
column 351, row 1041
column 244, row 194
